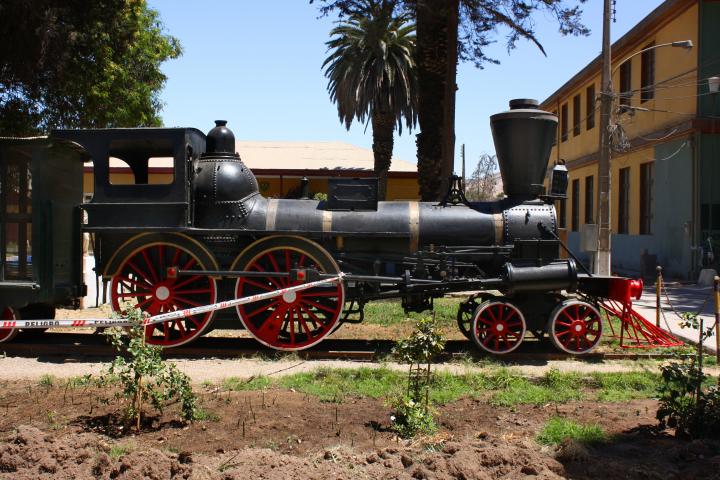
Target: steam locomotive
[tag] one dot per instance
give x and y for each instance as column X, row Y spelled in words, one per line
column 209, row 235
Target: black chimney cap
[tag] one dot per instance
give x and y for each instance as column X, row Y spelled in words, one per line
column 220, row 139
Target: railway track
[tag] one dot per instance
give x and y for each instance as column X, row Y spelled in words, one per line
column 80, row 345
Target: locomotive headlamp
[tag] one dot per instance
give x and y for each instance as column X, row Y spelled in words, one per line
column 559, row 181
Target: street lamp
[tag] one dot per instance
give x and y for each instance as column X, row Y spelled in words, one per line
column 686, row 44
column 713, row 84
column 607, row 97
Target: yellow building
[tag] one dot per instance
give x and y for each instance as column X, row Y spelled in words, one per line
column 279, row 167
column 665, row 166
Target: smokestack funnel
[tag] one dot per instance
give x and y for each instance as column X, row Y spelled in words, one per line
column 523, row 136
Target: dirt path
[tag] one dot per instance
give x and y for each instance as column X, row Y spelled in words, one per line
column 213, row 370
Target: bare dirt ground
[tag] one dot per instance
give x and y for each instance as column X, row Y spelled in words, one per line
column 52, row 432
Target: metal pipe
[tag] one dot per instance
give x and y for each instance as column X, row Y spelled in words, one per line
column 658, row 289
column 717, row 318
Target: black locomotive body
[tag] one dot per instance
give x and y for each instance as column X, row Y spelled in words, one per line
column 209, row 235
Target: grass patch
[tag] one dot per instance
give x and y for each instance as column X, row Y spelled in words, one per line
column 333, row 385
column 391, row 312
column 47, row 380
column 236, row 384
column 80, row 381
column 624, row 386
column 553, row 387
column 558, row 429
column 206, row 415
column 501, row 386
column 118, row 450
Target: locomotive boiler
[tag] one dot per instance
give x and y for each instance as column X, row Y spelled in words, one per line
column 209, row 235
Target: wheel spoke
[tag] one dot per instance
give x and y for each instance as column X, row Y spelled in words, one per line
column 314, row 319
column 291, row 321
column 262, row 309
column 149, row 264
column 186, row 301
column 257, row 284
column 303, row 323
column 188, row 280
column 129, row 282
column 140, row 272
column 192, row 292
column 318, row 306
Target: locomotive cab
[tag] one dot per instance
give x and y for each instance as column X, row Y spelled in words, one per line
column 124, row 187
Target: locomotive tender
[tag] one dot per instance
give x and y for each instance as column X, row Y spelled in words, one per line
column 209, row 235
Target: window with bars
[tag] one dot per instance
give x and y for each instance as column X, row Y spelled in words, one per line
column 589, row 198
column 16, row 220
column 625, row 83
column 590, row 106
column 564, row 123
column 577, row 114
column 647, row 74
column 647, row 180
column 575, row 214
column 624, row 200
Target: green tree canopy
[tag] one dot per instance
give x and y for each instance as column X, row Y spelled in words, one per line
column 452, row 30
column 371, row 76
column 80, row 64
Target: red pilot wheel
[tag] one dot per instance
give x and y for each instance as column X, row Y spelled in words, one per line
column 575, row 327
column 295, row 320
column 498, row 327
column 8, row 314
column 143, row 280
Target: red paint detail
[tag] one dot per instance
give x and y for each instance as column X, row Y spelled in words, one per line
column 636, row 331
column 284, row 325
column 497, row 329
column 172, row 272
column 141, row 287
column 625, row 289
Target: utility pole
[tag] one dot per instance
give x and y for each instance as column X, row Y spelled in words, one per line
column 602, row 259
column 462, row 156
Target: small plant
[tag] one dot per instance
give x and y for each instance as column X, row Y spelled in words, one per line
column 202, row 414
column 557, row 430
column 413, row 413
column 685, row 403
column 47, row 380
column 145, row 376
column 117, row 451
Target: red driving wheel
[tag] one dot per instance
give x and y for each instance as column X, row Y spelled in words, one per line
column 8, row 314
column 575, row 327
column 295, row 320
column 498, row 327
column 142, row 281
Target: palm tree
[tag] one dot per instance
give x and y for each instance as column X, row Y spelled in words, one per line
column 371, row 76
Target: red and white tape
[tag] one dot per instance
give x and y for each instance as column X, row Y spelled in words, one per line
column 164, row 317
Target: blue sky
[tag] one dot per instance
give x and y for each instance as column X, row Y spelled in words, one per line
column 258, row 64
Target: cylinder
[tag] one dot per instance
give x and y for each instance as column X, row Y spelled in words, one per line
column 554, row 276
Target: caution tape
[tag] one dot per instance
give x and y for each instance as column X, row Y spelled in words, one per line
column 88, row 322
column 164, row 317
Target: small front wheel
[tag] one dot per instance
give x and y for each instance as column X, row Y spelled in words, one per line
column 498, row 327
column 575, row 327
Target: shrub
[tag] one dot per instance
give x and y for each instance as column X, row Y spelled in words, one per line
column 413, row 414
column 145, row 376
column 686, row 403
